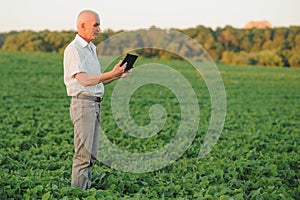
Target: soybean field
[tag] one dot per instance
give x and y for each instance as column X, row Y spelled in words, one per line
column 257, row 155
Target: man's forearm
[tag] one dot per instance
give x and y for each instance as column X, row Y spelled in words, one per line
column 110, row 80
column 93, row 79
column 86, row 79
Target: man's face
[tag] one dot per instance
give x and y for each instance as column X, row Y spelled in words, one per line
column 92, row 27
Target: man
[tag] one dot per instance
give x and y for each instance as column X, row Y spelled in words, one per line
column 85, row 83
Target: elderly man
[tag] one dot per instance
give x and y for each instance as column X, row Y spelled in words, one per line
column 85, row 84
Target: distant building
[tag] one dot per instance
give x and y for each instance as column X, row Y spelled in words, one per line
column 258, row 24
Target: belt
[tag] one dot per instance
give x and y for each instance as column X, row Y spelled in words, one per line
column 91, row 98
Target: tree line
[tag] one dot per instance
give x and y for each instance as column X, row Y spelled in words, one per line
column 269, row 47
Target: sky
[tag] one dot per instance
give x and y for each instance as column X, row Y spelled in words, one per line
column 58, row 15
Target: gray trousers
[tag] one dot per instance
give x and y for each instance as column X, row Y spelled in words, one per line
column 85, row 115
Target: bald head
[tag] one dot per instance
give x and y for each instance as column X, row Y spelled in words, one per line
column 84, row 16
column 88, row 23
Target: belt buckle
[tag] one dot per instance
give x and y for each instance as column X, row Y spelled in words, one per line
column 98, row 99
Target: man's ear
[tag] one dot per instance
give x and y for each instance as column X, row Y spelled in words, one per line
column 82, row 26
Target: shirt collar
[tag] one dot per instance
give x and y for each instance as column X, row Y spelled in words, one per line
column 84, row 43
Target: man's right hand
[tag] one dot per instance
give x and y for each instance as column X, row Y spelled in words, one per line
column 118, row 70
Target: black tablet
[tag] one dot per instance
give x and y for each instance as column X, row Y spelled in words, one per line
column 129, row 59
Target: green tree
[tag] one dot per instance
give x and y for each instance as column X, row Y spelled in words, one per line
column 228, row 57
column 279, row 39
column 192, row 32
column 245, row 43
column 241, row 57
column 24, row 41
column 257, row 39
column 294, row 60
column 297, row 42
column 269, row 58
column 2, row 39
column 203, row 34
column 228, row 39
column 292, row 34
column 276, row 46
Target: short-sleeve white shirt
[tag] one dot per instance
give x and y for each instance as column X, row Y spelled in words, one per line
column 80, row 56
